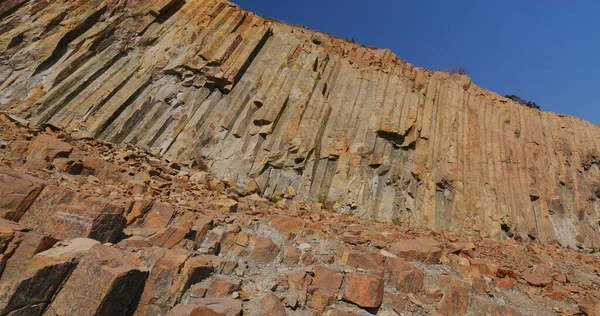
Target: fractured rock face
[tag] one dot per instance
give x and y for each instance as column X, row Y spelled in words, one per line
column 282, row 109
column 106, row 282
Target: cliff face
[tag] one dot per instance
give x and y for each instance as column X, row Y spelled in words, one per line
column 289, row 109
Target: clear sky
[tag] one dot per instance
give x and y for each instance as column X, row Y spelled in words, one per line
column 546, row 51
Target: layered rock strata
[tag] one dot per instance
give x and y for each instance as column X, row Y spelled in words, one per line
column 285, row 109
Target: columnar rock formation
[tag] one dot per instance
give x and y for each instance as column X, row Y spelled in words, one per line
column 288, row 109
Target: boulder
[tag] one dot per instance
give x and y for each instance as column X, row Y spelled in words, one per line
column 364, row 290
column 362, row 259
column 264, row 250
column 65, row 214
column 327, row 279
column 38, row 280
column 17, row 192
column 536, row 279
column 107, row 281
column 272, row 306
column 422, row 249
column 403, row 276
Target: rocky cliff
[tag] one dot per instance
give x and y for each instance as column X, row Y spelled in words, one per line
column 288, row 110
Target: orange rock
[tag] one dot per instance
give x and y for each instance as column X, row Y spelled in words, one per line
column 364, row 290
column 17, row 192
column 589, row 305
column 456, row 296
column 32, row 288
column 425, row 250
column 222, row 286
column 288, row 227
column 46, row 147
column 224, row 205
column 103, row 274
column 536, row 279
column 209, row 307
column 66, row 214
column 272, row 306
column 291, row 255
column 403, row 275
column 322, row 299
column 263, row 249
column 159, row 295
column 327, row 279
column 397, row 301
column 362, row 259
column 505, row 283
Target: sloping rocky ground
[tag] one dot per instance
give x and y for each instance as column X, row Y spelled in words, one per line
column 92, row 228
column 277, row 106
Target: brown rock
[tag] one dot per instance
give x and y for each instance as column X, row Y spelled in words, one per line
column 272, row 306
column 106, row 282
column 589, row 305
column 209, row 307
column 397, row 301
column 425, row 250
column 38, row 280
column 47, row 148
column 505, row 283
column 17, row 192
column 172, row 272
column 288, row 227
column 536, row 279
column 322, row 299
column 222, row 286
column 456, row 296
column 403, row 275
column 362, row 259
column 170, row 237
column 364, row 290
column 327, row 279
column 291, row 255
column 66, row 214
column 263, row 249
column 224, row 205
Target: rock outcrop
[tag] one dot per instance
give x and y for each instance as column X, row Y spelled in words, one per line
column 286, row 110
column 129, row 233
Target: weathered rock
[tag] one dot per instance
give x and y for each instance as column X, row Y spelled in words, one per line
column 263, row 249
column 209, row 307
column 327, row 279
column 536, row 279
column 66, row 214
column 17, row 192
column 421, row 249
column 456, row 296
column 226, row 205
column 47, row 148
column 365, row 290
column 362, row 259
column 222, row 286
column 589, row 305
column 106, row 282
column 37, row 282
column 272, row 306
column 403, row 275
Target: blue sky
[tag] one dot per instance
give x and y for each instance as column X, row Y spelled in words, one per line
column 546, row 51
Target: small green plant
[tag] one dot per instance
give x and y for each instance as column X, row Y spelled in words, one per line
column 275, row 199
column 524, row 102
column 397, row 222
column 351, row 214
column 322, row 198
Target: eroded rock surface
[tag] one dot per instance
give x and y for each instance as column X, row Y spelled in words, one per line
column 180, row 248
column 285, row 111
